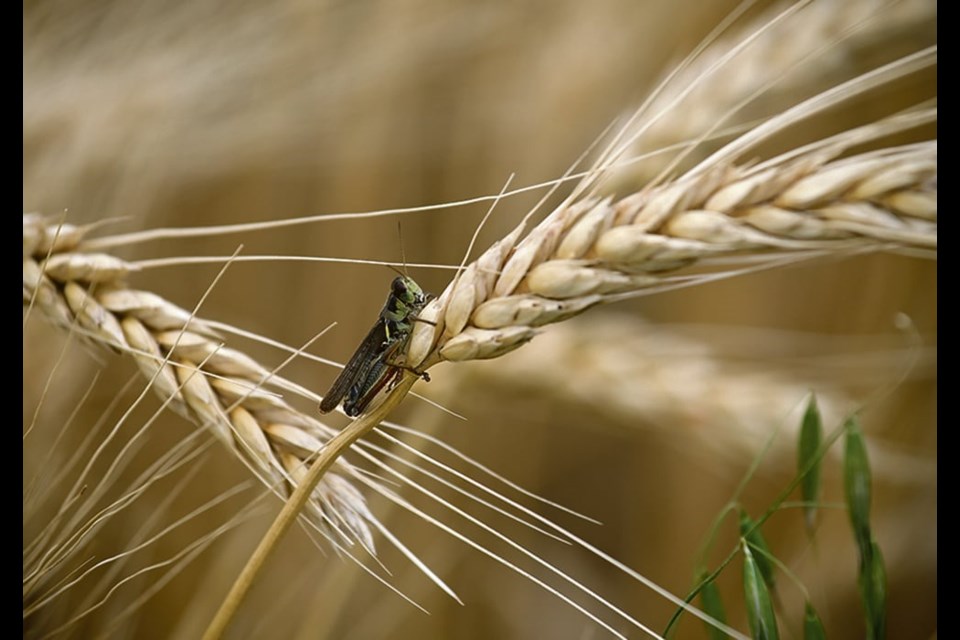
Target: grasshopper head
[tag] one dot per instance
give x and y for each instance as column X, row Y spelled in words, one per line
column 407, row 291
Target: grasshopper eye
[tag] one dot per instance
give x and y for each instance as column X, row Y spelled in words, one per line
column 399, row 286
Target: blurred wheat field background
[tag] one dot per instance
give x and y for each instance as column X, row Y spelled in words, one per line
column 644, row 414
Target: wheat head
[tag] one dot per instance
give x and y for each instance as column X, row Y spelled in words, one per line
column 218, row 388
column 594, row 249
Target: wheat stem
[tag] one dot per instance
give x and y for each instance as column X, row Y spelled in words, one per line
column 293, row 506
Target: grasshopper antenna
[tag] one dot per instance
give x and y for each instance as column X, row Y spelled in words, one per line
column 403, row 254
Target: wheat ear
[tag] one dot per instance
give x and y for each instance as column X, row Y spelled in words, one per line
column 593, row 250
column 85, row 293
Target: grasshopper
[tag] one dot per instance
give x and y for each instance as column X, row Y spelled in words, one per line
column 372, row 366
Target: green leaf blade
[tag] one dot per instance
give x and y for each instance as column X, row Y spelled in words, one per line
column 812, row 626
column 712, row 605
column 873, row 591
column 808, row 460
column 857, row 483
column 760, row 615
column 750, row 532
